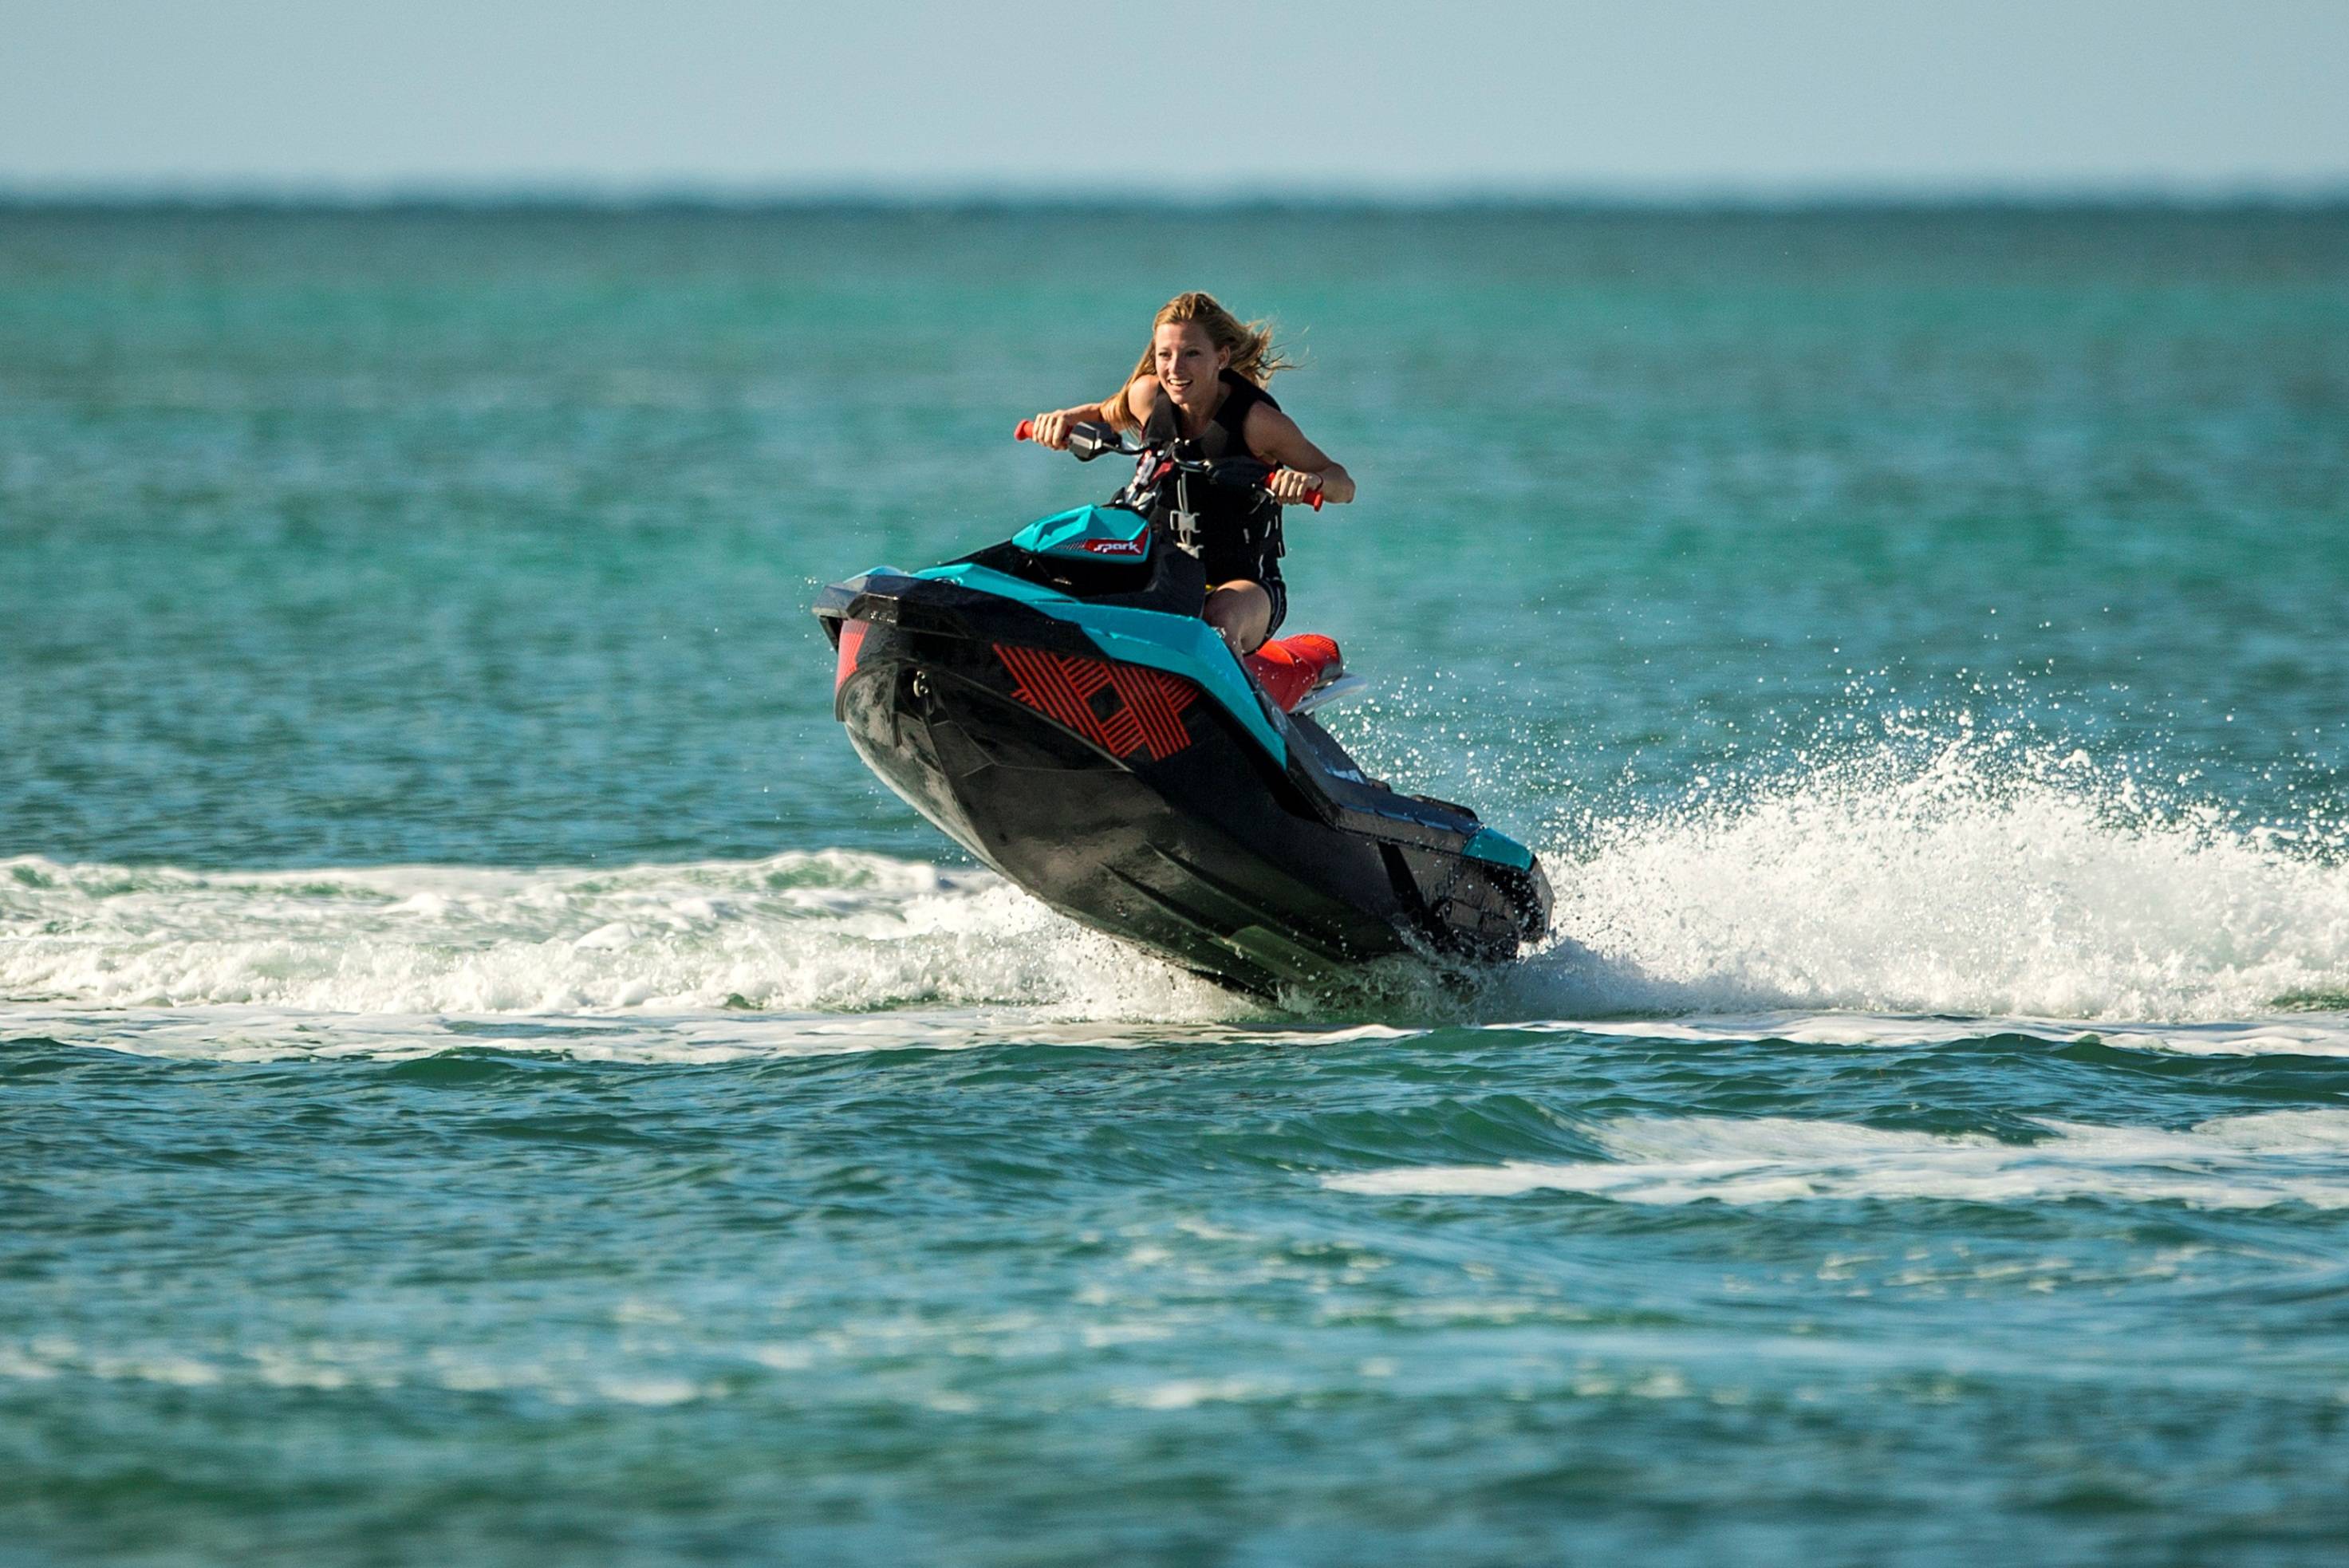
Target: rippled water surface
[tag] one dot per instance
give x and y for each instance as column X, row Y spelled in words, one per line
column 486, row 1076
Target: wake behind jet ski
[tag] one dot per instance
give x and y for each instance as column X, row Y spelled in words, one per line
column 1057, row 705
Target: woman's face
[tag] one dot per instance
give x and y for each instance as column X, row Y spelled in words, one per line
column 1189, row 365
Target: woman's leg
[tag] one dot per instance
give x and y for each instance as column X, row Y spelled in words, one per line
column 1241, row 612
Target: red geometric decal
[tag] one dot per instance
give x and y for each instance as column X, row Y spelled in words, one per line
column 851, row 638
column 1121, row 708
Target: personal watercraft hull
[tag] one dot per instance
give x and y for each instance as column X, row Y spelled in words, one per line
column 1157, row 796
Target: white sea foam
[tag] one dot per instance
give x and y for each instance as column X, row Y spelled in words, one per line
column 1183, row 1393
column 2251, row 1161
column 832, row 931
column 1880, row 900
column 2295, row 1034
column 1968, row 882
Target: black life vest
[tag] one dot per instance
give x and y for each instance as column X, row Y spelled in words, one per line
column 1234, row 534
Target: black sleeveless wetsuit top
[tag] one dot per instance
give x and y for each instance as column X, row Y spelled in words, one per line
column 1237, row 532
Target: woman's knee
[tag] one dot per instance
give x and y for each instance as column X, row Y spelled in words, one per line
column 1241, row 612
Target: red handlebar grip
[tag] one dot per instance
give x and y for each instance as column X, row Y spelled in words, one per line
column 1312, row 498
column 1025, row 432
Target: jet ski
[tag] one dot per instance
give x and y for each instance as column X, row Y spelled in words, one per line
column 1056, row 704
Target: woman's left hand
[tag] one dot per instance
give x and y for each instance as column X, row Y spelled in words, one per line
column 1292, row 487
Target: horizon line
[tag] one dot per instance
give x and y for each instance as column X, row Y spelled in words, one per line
column 683, row 196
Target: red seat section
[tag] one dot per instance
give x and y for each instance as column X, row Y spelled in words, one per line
column 1289, row 667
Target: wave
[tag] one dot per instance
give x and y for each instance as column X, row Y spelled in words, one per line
column 1965, row 881
column 831, row 932
column 1867, row 898
column 2252, row 1162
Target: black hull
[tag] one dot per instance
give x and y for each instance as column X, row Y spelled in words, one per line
column 1150, row 812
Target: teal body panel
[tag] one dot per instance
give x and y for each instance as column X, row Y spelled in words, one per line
column 1087, row 533
column 1499, row 849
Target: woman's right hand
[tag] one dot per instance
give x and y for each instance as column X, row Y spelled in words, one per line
column 1051, row 431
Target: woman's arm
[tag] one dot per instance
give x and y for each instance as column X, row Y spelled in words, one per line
column 1123, row 410
column 1303, row 467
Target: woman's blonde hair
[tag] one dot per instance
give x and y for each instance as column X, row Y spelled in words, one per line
column 1253, row 353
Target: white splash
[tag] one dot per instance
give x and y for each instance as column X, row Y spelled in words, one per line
column 1970, row 884
column 2252, row 1162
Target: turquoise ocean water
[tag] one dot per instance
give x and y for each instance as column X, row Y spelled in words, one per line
column 486, row 1076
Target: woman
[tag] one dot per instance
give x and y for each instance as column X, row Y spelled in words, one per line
column 1201, row 381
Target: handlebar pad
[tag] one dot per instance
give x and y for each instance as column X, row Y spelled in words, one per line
column 1240, row 473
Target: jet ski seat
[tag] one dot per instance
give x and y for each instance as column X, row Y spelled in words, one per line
column 1290, row 669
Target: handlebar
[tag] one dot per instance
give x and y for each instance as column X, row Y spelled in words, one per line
column 1219, row 472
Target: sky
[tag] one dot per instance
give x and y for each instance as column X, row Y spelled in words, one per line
column 1337, row 97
